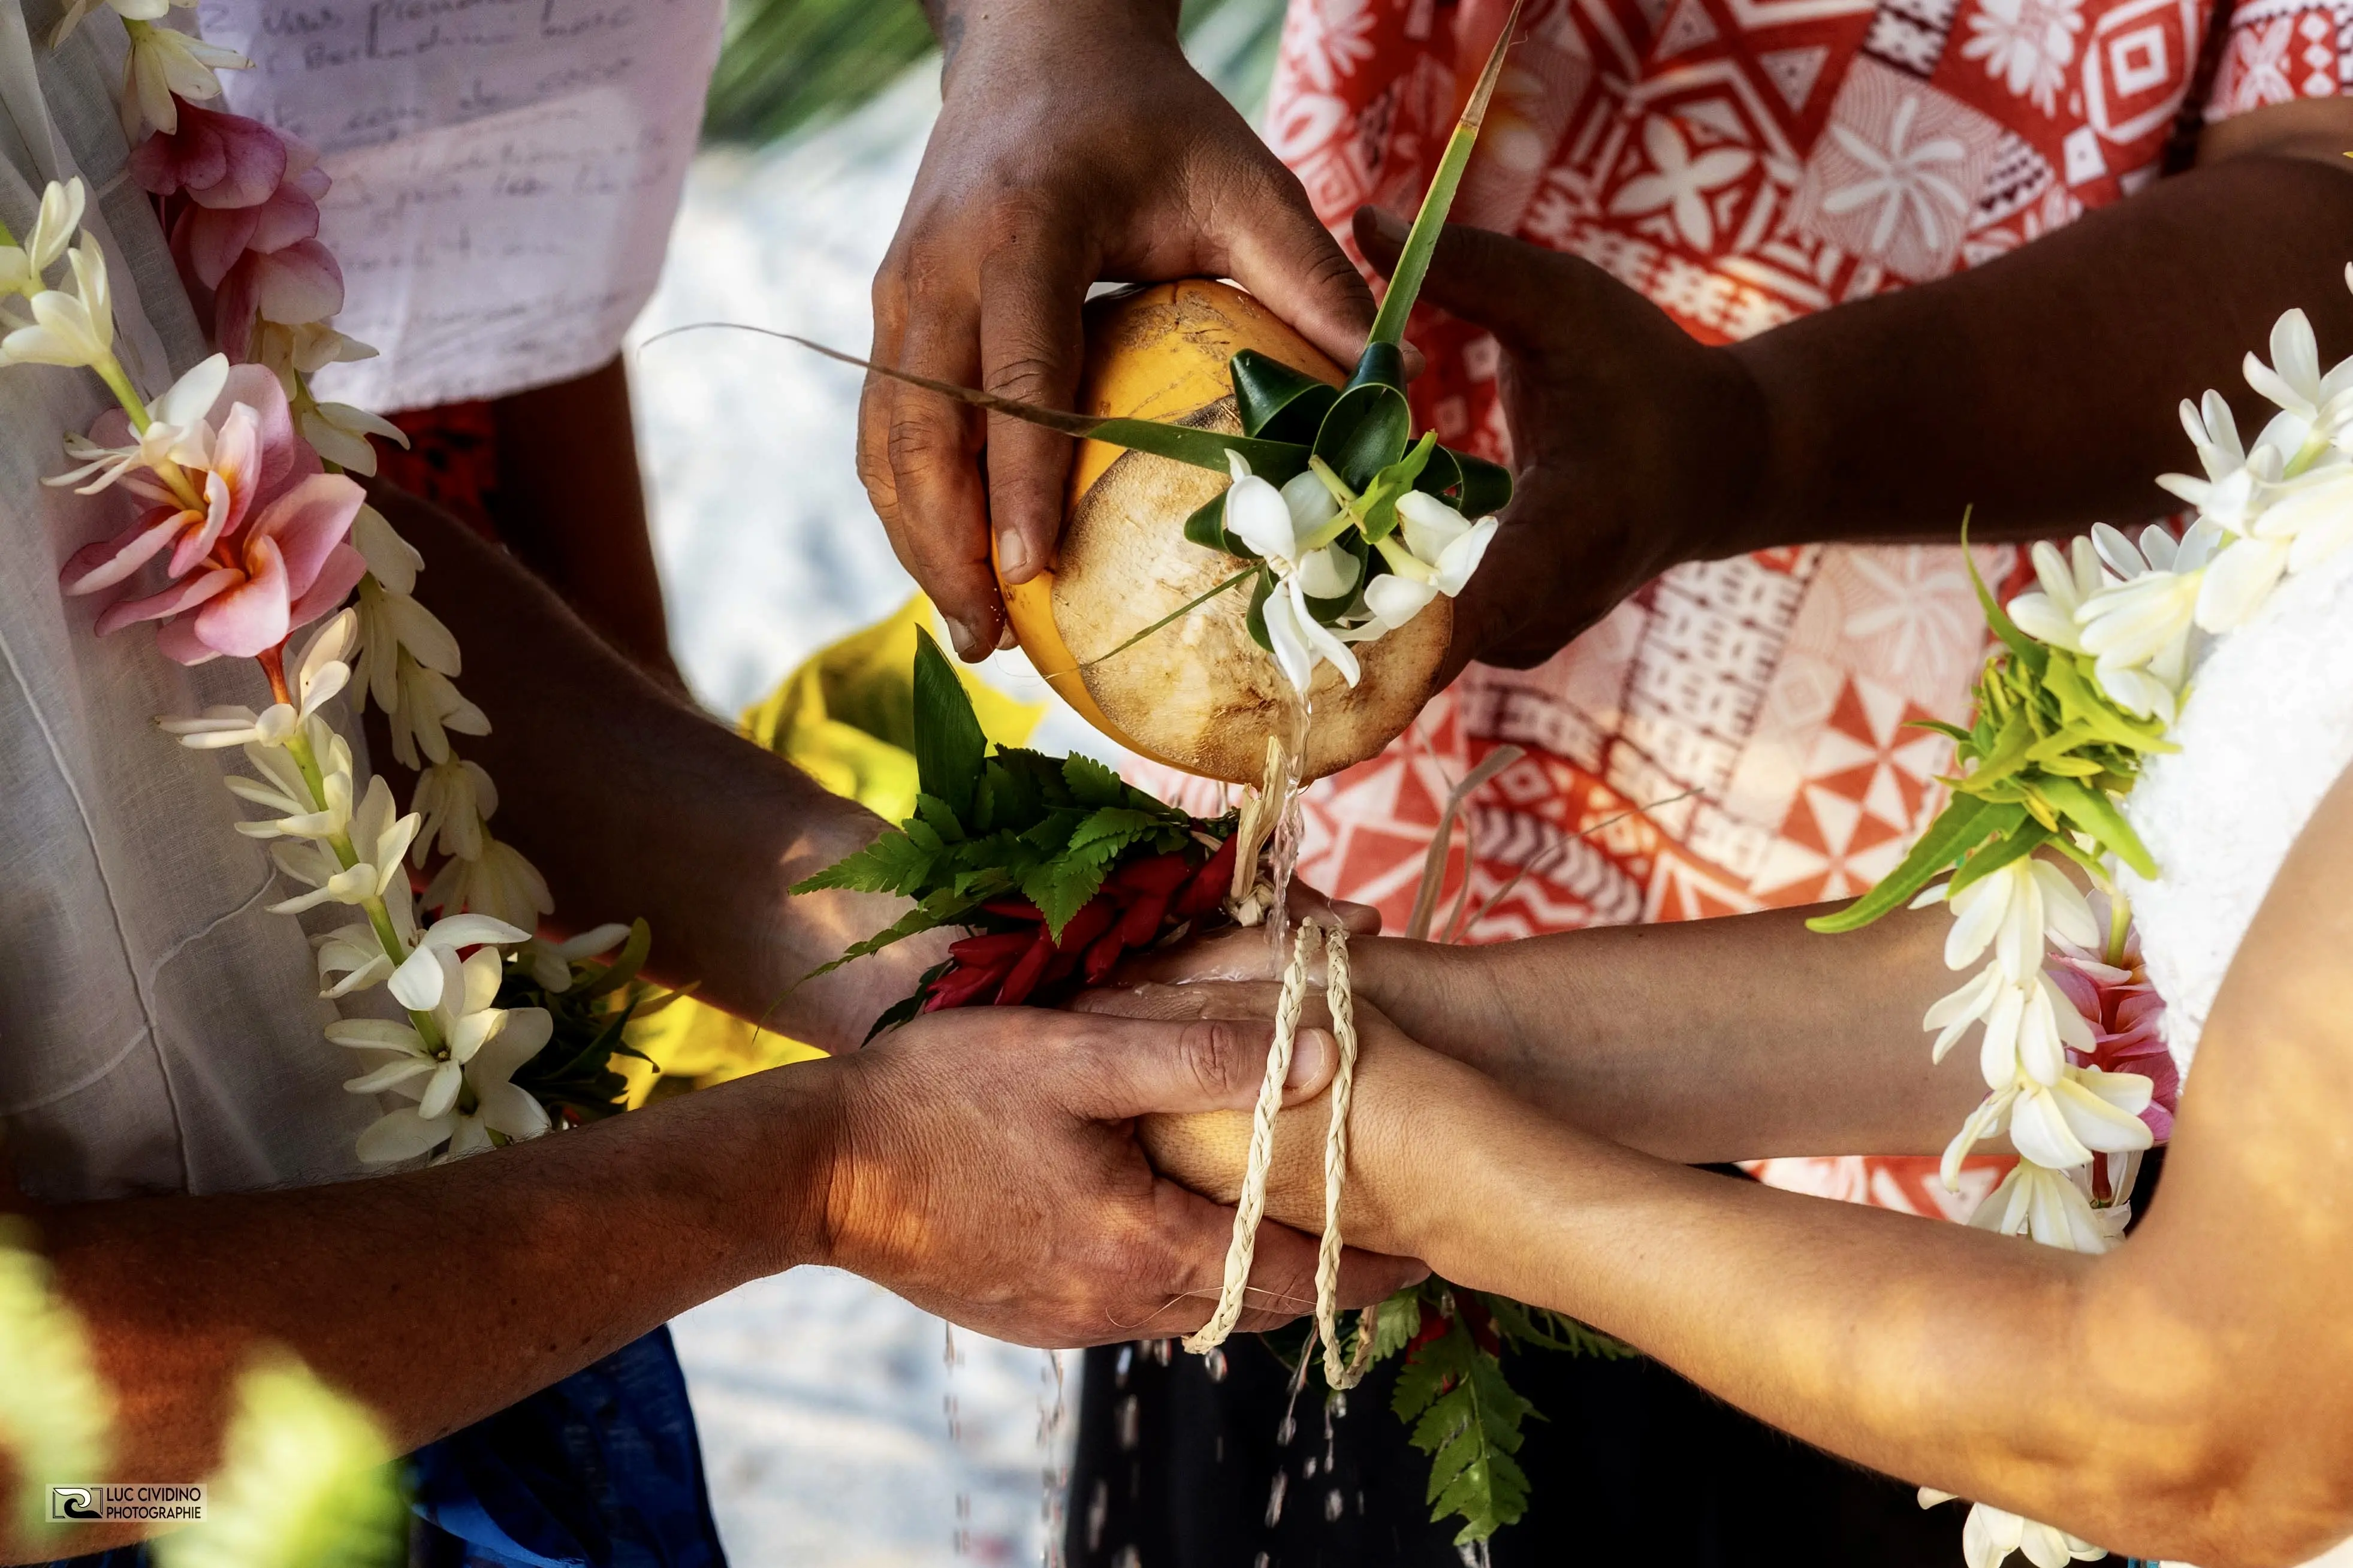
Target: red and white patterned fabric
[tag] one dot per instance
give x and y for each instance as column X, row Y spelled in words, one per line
column 1740, row 162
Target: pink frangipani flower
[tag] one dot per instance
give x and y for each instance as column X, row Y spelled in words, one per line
column 219, row 160
column 266, row 554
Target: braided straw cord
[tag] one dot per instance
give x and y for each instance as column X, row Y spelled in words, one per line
column 1343, row 999
column 1251, row 1207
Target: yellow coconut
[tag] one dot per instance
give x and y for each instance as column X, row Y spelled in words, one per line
column 1198, row 694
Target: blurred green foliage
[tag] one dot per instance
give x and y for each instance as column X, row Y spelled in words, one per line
column 792, row 64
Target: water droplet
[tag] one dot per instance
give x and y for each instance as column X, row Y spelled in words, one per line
column 1130, row 1423
column 1274, row 1500
column 1214, row 1363
column 1121, row 1368
column 1309, row 1472
column 1128, row 1558
column 948, row 1345
column 1098, row 1510
column 1263, row 1561
column 1162, row 1350
column 1333, row 1505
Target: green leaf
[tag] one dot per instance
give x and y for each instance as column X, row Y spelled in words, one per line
column 1366, row 430
column 1063, row 886
column 1486, row 486
column 1966, row 822
column 1090, row 783
column 2033, row 654
column 1395, row 1322
column 1275, row 461
column 1380, row 515
column 894, row 863
column 936, row 815
column 1206, row 528
column 1545, row 1329
column 624, row 966
column 2022, row 841
column 1276, row 402
column 2095, row 814
column 1254, row 621
column 1466, row 1419
column 1122, row 823
column 936, row 911
column 1421, row 242
column 949, row 745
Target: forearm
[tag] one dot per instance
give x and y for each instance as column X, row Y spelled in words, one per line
column 1720, row 1039
column 955, row 21
column 634, row 803
column 571, row 504
column 1938, row 1354
column 440, row 1296
column 1996, row 389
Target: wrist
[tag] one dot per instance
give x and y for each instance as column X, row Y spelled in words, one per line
column 971, row 31
column 796, row 1121
column 1733, row 512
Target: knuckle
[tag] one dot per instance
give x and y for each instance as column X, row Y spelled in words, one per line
column 1211, row 1050
column 1028, row 375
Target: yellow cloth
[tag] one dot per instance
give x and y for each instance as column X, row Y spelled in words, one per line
column 846, row 717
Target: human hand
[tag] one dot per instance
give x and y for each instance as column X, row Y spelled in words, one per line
column 1400, row 1090
column 1129, row 167
column 1635, row 446
column 988, row 1170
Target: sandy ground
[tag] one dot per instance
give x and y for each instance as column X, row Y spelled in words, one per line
column 834, row 1431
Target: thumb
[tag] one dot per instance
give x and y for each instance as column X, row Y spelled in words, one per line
column 1276, row 248
column 1134, row 1066
column 1512, row 289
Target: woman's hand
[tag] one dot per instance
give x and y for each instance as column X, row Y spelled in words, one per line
column 1074, row 142
column 1389, row 1200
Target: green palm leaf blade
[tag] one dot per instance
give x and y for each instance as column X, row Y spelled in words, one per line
column 1421, row 242
column 1960, row 828
column 1276, row 461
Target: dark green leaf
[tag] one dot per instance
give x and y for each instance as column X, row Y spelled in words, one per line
column 1063, row 886
column 1486, row 486
column 937, row 909
column 1366, row 430
column 1255, row 620
column 624, row 966
column 1090, row 783
column 1275, row 402
column 1380, row 515
column 949, row 745
column 1381, row 365
column 1206, row 528
column 936, row 815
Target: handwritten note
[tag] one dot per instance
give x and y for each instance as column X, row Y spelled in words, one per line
column 505, row 172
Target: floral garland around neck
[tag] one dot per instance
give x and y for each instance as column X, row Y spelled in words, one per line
column 2094, row 669
column 248, row 527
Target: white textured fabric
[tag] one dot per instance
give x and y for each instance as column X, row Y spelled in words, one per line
column 158, row 1030
column 506, row 172
column 2268, row 729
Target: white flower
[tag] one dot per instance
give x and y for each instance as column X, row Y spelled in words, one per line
column 2238, row 580
column 1300, row 641
column 456, row 798
column 2011, row 909
column 282, row 790
column 2314, row 515
column 381, row 841
column 1992, row 1534
column 1442, row 540
column 482, row 1045
column 339, row 433
column 1258, row 515
column 1329, row 573
column 2044, row 1204
column 304, row 350
column 500, row 1106
column 392, row 561
column 73, row 330
column 22, row 269
column 353, row 957
column 2140, row 629
column 164, row 65
column 129, row 10
column 1313, row 505
column 424, row 706
column 551, row 963
column 431, row 972
column 2048, row 616
column 2321, row 406
column 230, row 726
column 501, row 883
column 178, row 432
column 2061, row 1125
